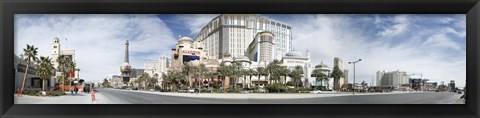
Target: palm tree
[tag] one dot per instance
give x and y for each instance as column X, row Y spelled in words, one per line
column 245, row 73
column 261, row 71
column 225, row 71
column 237, row 68
column 44, row 69
column 272, row 69
column 283, row 71
column 250, row 73
column 296, row 74
column 203, row 70
column 176, row 78
column 165, row 81
column 187, row 70
column 337, row 74
column 208, row 76
column 31, row 53
column 62, row 61
column 319, row 75
column 71, row 69
column 154, row 80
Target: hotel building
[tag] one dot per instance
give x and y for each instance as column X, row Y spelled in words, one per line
column 393, row 78
column 235, row 32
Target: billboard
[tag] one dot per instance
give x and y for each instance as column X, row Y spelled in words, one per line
column 191, row 54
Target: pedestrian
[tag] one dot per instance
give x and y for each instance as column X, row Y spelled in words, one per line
column 71, row 90
column 76, row 90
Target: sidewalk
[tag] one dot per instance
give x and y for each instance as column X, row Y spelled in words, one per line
column 261, row 95
column 80, row 98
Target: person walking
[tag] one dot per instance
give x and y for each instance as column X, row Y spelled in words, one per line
column 71, row 90
column 76, row 90
column 93, row 94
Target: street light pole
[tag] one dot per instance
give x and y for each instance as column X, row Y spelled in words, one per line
column 353, row 85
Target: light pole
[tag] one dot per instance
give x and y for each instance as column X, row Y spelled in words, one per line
column 353, row 85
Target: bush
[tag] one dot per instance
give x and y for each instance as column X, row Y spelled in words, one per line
column 231, row 90
column 277, row 87
column 30, row 92
column 290, row 84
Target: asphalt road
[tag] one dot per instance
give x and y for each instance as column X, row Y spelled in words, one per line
column 113, row 96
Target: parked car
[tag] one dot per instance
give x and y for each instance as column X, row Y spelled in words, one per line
column 191, row 90
column 316, row 91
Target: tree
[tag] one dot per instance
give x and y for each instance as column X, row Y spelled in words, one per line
column 106, row 83
column 244, row 73
column 250, row 73
column 283, row 71
column 44, row 69
column 337, row 74
column 272, row 69
column 174, row 79
column 319, row 75
column 71, row 69
column 237, row 72
column 261, row 71
column 31, row 53
column 154, row 80
column 62, row 61
column 187, row 70
column 296, row 74
column 81, row 81
column 225, row 71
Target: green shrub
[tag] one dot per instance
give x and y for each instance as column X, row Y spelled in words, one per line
column 30, row 92
column 275, row 88
column 231, row 90
column 57, row 93
column 290, row 84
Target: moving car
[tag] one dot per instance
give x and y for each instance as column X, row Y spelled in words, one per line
column 316, row 91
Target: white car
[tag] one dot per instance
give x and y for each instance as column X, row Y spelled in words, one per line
column 316, row 91
column 191, row 90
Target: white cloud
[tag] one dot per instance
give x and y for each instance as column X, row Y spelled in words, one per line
column 329, row 36
column 400, row 25
column 195, row 22
column 98, row 40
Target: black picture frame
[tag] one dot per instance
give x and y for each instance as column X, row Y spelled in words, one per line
column 10, row 7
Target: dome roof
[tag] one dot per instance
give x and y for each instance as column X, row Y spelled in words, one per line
column 242, row 58
column 185, row 38
column 227, row 54
column 294, row 53
column 321, row 65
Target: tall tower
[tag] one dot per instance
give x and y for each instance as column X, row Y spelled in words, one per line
column 125, row 67
column 55, row 51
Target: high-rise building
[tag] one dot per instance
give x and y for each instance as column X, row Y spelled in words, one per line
column 393, row 78
column 261, row 48
column 339, row 63
column 233, row 33
column 157, row 67
column 451, row 85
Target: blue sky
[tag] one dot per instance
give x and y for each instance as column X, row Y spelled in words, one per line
column 431, row 44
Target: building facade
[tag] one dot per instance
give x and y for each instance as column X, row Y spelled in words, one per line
column 342, row 81
column 393, row 78
column 69, row 53
column 157, row 67
column 235, row 32
column 261, row 49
